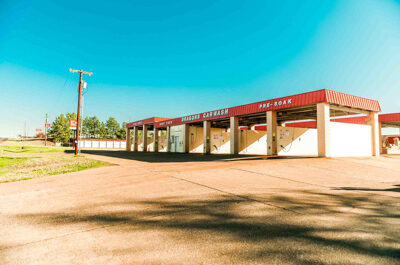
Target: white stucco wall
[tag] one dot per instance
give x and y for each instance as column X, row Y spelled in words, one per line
column 150, row 147
column 346, row 140
column 253, row 142
column 350, row 139
column 219, row 140
column 297, row 141
column 104, row 144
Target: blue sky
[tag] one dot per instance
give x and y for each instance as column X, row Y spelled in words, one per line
column 173, row 58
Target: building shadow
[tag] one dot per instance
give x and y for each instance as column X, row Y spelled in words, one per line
column 163, row 157
column 266, row 229
column 395, row 189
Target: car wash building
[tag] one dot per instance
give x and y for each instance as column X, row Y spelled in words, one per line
column 274, row 127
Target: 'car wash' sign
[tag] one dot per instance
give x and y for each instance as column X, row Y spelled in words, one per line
column 206, row 115
column 215, row 113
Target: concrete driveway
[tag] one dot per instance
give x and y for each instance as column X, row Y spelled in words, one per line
column 194, row 209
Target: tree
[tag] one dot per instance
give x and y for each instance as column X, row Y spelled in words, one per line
column 102, row 131
column 112, row 127
column 121, row 133
column 85, row 128
column 91, row 127
column 60, row 128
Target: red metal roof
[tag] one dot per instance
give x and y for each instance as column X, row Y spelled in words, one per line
column 303, row 99
column 145, row 121
column 390, row 117
column 347, row 100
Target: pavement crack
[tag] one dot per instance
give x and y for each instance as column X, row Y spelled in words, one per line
column 282, row 178
column 236, row 195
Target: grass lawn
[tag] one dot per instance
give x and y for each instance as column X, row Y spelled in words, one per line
column 12, row 149
column 21, row 168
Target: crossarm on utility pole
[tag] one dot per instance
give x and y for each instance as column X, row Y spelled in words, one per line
column 80, row 71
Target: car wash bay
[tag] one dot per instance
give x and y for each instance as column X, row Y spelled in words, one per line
column 234, row 130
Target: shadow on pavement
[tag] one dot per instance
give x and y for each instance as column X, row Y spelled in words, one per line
column 163, row 157
column 319, row 228
column 397, row 189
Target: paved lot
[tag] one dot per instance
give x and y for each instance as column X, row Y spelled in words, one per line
column 194, row 209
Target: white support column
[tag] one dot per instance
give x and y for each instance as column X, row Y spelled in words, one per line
column 168, row 139
column 373, row 120
column 206, row 137
column 272, row 148
column 155, row 144
column 186, row 132
column 128, row 140
column 135, row 139
column 144, row 138
column 381, row 149
column 323, row 129
column 234, row 123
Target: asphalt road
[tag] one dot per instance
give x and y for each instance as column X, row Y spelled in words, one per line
column 194, row 209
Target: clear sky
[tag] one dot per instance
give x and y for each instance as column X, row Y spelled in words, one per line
column 177, row 57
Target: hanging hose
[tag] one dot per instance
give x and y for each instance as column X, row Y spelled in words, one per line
column 291, row 143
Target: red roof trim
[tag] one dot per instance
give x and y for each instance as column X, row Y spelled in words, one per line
column 303, row 99
column 389, row 117
column 145, row 121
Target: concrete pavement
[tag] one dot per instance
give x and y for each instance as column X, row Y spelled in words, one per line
column 195, row 209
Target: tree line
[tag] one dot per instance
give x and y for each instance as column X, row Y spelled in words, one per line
column 92, row 128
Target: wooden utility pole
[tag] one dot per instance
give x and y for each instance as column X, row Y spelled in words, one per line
column 45, row 131
column 78, row 122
